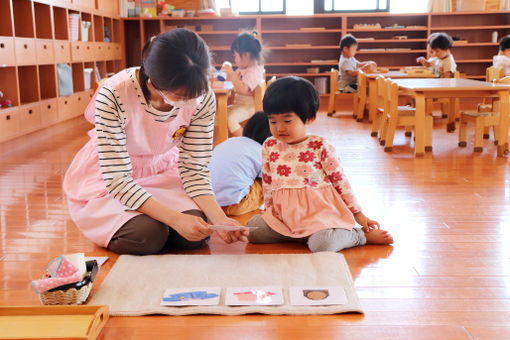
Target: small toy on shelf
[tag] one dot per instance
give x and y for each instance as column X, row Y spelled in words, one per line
column 4, row 102
column 367, row 26
column 164, row 8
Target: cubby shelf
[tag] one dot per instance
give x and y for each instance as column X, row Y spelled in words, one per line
column 34, row 38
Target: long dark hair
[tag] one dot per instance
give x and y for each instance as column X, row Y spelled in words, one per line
column 175, row 60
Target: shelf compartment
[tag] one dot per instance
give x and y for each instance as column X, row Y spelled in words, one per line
column 60, row 23
column 28, row 84
column 25, row 51
column 108, row 26
column 30, row 117
column 389, row 20
column 42, row 21
column 295, row 23
column 65, row 107
column 23, row 18
column 45, row 51
column 49, row 111
column 101, row 68
column 7, row 52
column 87, row 17
column 324, row 39
column 116, row 30
column 5, row 19
column 98, row 28
column 132, row 41
column 150, row 29
column 78, row 77
column 62, row 50
column 211, row 25
column 47, row 81
column 475, row 19
column 9, row 123
column 8, row 84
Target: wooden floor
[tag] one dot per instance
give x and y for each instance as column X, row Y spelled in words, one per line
column 446, row 277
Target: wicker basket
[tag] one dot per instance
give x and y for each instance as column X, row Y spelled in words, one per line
column 73, row 293
column 71, row 296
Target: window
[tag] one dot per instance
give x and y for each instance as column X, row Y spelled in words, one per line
column 253, row 6
column 356, row 6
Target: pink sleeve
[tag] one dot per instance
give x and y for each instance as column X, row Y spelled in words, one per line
column 335, row 174
column 253, row 77
column 266, row 179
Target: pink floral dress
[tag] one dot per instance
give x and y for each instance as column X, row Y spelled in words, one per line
column 305, row 188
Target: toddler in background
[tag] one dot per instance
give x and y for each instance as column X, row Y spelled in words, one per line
column 442, row 63
column 248, row 57
column 235, row 168
column 502, row 60
column 307, row 196
column 348, row 66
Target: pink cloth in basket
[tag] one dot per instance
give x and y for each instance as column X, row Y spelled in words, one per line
column 61, row 272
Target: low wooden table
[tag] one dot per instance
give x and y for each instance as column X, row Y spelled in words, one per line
column 372, row 88
column 422, row 89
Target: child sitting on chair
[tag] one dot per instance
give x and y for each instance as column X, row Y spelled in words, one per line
column 307, row 196
column 502, row 60
column 235, row 168
column 348, row 66
column 443, row 63
column 248, row 56
column 430, row 59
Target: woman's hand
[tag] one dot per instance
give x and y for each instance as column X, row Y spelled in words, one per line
column 365, row 222
column 231, row 236
column 192, row 228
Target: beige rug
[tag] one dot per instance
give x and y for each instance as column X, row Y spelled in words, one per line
column 135, row 285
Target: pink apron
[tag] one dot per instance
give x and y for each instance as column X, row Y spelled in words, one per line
column 154, row 155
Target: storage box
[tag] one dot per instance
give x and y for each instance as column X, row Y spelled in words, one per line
column 321, row 84
column 470, row 5
column 87, row 72
column 74, row 26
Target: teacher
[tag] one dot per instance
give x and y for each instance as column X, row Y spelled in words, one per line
column 141, row 184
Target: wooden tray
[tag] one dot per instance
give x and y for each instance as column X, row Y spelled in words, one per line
column 52, row 322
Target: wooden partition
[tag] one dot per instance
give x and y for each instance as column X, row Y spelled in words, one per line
column 34, row 39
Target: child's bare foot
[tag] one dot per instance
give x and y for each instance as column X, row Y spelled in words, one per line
column 378, row 236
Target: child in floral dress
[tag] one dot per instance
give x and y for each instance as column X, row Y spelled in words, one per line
column 306, row 194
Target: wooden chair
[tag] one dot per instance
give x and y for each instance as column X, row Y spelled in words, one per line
column 258, row 95
column 270, row 81
column 482, row 120
column 379, row 114
column 360, row 97
column 396, row 115
column 445, row 107
column 491, row 73
column 334, row 93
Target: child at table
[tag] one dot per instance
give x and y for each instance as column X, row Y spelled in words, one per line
column 443, row 64
column 307, row 196
column 248, row 57
column 430, row 58
column 235, row 168
column 502, row 60
column 348, row 66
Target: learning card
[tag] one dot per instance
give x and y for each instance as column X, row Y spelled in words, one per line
column 253, row 296
column 317, row 296
column 202, row 296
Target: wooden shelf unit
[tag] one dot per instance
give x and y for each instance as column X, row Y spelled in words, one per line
column 34, row 38
column 323, row 33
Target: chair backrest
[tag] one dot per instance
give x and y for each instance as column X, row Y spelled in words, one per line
column 493, row 73
column 379, row 82
column 333, row 81
column 504, row 80
column 258, row 96
column 270, row 81
column 362, row 84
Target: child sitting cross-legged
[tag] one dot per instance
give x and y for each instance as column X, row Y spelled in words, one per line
column 306, row 193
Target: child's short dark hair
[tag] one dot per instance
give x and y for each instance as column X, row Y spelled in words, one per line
column 257, row 127
column 431, row 37
column 347, row 41
column 292, row 94
column 442, row 41
column 177, row 59
column 248, row 42
column 504, row 43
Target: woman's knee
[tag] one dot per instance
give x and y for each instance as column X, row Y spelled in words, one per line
column 141, row 235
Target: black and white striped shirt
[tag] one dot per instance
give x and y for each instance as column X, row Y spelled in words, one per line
column 194, row 150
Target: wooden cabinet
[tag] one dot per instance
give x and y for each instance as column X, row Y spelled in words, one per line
column 308, row 46
column 34, row 38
